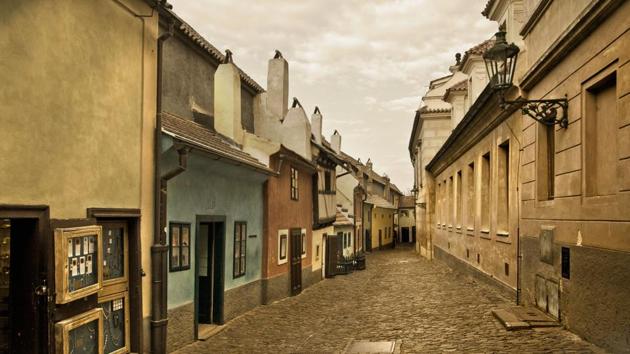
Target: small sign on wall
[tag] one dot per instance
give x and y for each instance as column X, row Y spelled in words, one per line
column 77, row 255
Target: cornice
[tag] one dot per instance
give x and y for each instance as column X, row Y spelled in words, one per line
column 536, row 15
column 595, row 13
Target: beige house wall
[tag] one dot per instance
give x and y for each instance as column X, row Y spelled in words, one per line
column 458, row 226
column 78, row 112
column 593, row 227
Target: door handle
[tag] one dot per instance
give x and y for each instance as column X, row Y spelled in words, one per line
column 41, row 290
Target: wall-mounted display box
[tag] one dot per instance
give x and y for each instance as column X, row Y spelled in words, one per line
column 80, row 334
column 116, row 335
column 78, row 255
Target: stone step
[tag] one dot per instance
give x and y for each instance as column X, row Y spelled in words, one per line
column 509, row 320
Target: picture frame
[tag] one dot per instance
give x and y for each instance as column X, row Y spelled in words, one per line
column 67, row 332
column 72, row 245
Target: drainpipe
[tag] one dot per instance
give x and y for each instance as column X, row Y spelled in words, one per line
column 159, row 249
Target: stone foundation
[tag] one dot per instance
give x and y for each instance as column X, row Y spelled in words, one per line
column 276, row 288
column 467, row 269
column 594, row 301
column 242, row 299
column 181, row 327
column 310, row 277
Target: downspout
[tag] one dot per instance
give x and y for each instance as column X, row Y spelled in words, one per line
column 159, row 318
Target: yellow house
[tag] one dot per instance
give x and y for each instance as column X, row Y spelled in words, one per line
column 77, row 114
column 382, row 222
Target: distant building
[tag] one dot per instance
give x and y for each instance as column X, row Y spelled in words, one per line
column 407, row 219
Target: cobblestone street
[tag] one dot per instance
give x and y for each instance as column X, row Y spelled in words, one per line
column 399, row 297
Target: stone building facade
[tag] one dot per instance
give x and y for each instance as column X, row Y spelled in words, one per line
column 542, row 211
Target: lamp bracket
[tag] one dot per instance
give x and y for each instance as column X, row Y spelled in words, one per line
column 543, row 111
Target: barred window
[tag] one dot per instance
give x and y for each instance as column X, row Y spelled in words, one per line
column 240, row 248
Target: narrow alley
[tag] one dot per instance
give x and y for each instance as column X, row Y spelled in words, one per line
column 400, row 296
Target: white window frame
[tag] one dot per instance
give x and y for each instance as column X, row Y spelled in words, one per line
column 284, row 232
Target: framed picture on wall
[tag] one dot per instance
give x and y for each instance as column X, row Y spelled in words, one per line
column 283, row 239
column 78, row 252
column 116, row 331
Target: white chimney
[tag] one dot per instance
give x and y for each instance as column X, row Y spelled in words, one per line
column 316, row 125
column 278, row 86
column 335, row 141
column 227, row 100
column 296, row 131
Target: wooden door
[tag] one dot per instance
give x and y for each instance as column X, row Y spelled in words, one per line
column 21, row 325
column 205, row 246
column 332, row 253
column 296, row 261
column 113, row 298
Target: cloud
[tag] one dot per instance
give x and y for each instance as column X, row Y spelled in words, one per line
column 365, row 63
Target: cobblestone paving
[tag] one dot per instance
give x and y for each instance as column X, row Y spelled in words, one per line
column 400, row 296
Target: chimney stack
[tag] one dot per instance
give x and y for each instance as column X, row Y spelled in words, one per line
column 316, row 125
column 335, row 142
column 227, row 99
column 278, row 86
column 368, row 164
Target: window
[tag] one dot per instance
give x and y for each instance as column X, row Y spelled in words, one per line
column 470, row 199
column 294, row 184
column 240, row 248
column 545, row 161
column 317, row 252
column 485, row 192
column 179, row 246
column 327, row 181
column 504, row 187
column 600, row 104
column 458, row 202
column 450, row 200
column 282, row 246
column 303, row 243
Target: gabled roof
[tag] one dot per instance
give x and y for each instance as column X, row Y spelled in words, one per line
column 407, row 201
column 458, row 87
column 379, row 202
column 479, row 49
column 200, row 137
column 206, row 46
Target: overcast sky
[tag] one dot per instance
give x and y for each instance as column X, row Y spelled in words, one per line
column 365, row 63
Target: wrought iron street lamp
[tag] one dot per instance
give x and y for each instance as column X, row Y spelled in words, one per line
column 500, row 63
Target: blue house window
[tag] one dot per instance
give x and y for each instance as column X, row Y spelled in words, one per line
column 240, row 248
column 179, row 246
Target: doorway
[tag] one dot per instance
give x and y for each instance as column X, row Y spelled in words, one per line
column 296, row 261
column 380, row 239
column 368, row 241
column 24, row 257
column 209, row 270
column 405, row 235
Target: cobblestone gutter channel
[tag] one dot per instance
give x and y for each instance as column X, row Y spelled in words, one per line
column 424, row 305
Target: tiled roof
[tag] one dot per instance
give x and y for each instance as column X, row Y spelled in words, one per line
column 341, row 219
column 460, row 86
column 203, row 138
column 486, row 9
column 213, row 51
column 407, row 201
column 379, row 202
column 479, row 49
column 426, row 109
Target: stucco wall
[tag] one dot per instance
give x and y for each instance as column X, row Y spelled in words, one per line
column 82, row 98
column 382, row 219
column 488, row 248
column 215, row 188
column 595, row 228
column 284, row 213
